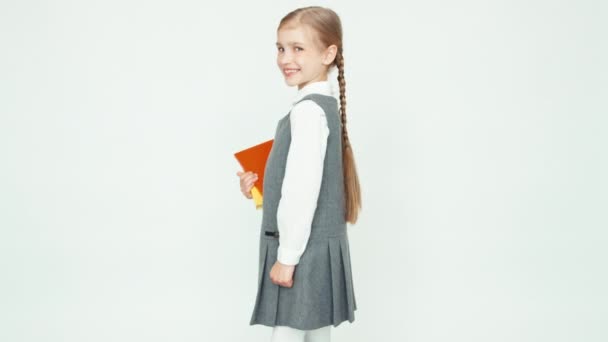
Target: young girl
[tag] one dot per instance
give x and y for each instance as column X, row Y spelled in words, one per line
column 311, row 190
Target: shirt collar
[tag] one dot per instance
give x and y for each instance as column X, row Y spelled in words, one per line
column 319, row 87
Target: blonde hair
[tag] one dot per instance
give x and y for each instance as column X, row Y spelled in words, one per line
column 328, row 27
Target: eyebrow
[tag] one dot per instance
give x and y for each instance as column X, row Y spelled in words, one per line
column 291, row 43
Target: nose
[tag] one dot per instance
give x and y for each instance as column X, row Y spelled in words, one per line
column 284, row 58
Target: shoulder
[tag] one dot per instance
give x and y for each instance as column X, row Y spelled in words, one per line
column 307, row 111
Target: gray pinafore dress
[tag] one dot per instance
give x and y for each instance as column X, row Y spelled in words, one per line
column 322, row 293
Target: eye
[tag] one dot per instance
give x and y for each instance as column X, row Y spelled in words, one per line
column 297, row 47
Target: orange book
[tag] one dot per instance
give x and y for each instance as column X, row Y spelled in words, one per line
column 254, row 159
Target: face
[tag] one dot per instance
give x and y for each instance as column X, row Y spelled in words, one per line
column 299, row 59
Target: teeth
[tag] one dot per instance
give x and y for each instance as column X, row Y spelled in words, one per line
column 290, row 71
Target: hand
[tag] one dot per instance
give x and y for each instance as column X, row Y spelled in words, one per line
column 247, row 179
column 282, row 275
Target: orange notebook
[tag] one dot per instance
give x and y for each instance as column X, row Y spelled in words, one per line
column 254, row 159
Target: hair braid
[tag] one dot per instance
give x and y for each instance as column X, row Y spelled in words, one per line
column 353, row 193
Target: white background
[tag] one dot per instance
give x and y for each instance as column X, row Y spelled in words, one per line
column 480, row 136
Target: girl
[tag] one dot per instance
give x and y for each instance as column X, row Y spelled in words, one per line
column 311, row 190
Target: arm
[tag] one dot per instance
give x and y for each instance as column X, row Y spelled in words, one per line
column 302, row 180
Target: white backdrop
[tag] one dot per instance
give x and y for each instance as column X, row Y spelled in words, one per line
column 480, row 136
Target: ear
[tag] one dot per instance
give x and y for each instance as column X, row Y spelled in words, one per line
column 330, row 54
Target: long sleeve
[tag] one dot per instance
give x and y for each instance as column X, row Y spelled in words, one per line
column 302, row 180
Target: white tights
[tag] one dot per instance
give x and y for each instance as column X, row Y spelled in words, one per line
column 287, row 334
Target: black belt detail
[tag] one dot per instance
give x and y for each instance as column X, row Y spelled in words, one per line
column 269, row 233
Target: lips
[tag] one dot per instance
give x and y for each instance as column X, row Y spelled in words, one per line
column 290, row 71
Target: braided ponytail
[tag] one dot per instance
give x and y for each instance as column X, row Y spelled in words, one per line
column 351, row 180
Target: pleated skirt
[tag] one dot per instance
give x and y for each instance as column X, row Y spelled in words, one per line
column 322, row 293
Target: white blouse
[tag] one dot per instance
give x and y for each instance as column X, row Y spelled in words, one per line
column 303, row 173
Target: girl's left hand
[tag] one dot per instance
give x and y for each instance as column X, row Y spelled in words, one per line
column 282, row 275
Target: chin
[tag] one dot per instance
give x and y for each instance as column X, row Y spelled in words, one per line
column 291, row 83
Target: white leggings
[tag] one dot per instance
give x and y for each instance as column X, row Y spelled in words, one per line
column 287, row 334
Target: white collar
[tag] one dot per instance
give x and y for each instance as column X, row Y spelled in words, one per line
column 319, row 87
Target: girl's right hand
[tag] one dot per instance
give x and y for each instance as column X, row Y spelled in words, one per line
column 247, row 179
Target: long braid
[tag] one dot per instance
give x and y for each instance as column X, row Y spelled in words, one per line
column 342, row 83
column 351, row 180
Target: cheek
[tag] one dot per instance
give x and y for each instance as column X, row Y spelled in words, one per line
column 300, row 60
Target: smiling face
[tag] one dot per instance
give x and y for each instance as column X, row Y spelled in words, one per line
column 300, row 58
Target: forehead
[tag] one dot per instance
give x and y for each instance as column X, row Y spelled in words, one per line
column 295, row 35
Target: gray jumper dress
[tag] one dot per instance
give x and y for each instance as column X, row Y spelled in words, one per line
column 322, row 293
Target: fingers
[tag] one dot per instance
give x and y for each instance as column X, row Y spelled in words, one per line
column 281, row 276
column 247, row 180
column 249, row 183
column 281, row 282
column 287, row 283
column 245, row 176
